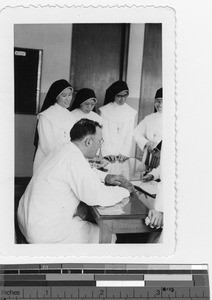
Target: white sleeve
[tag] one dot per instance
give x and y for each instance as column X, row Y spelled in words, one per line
column 88, row 187
column 100, row 174
column 140, row 134
column 46, row 135
column 159, row 199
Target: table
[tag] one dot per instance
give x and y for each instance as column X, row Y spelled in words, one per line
column 135, row 212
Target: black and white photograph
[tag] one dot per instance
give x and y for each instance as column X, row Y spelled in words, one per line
column 94, row 133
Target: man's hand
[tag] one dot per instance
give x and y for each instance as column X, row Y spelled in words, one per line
column 127, row 185
column 156, row 218
column 119, row 180
column 114, row 179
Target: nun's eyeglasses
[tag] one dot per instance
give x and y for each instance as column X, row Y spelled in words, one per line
column 158, row 100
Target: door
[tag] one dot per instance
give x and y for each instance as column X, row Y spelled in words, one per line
column 99, row 56
column 27, row 76
column 151, row 79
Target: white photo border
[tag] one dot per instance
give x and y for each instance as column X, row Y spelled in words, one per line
column 87, row 14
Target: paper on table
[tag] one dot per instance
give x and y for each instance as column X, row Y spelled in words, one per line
column 116, row 209
column 150, row 186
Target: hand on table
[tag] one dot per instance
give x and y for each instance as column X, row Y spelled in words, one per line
column 110, row 158
column 114, row 179
column 122, row 158
column 113, row 158
column 127, row 185
column 146, row 177
column 155, row 219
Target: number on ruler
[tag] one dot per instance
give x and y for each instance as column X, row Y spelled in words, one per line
column 157, row 292
column 101, row 293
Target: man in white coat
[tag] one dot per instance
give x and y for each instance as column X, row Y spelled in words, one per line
column 47, row 209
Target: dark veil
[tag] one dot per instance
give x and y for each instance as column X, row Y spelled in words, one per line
column 81, row 96
column 114, row 89
column 158, row 94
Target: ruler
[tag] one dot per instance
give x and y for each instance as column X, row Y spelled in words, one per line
column 105, row 281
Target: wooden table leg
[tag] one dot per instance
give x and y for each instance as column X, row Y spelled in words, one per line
column 105, row 235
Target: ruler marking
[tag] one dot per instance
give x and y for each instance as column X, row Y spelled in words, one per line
column 38, row 292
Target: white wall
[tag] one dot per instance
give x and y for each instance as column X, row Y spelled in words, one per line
column 55, row 41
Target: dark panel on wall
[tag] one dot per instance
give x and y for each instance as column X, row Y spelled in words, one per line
column 99, row 56
column 151, row 78
column 27, row 73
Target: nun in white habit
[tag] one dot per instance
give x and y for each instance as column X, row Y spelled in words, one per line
column 148, row 133
column 83, row 106
column 118, row 123
column 54, row 121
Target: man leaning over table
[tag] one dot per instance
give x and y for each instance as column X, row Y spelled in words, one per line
column 47, row 209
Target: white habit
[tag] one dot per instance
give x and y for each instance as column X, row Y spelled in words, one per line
column 118, row 126
column 149, row 129
column 46, row 209
column 54, row 125
column 78, row 115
